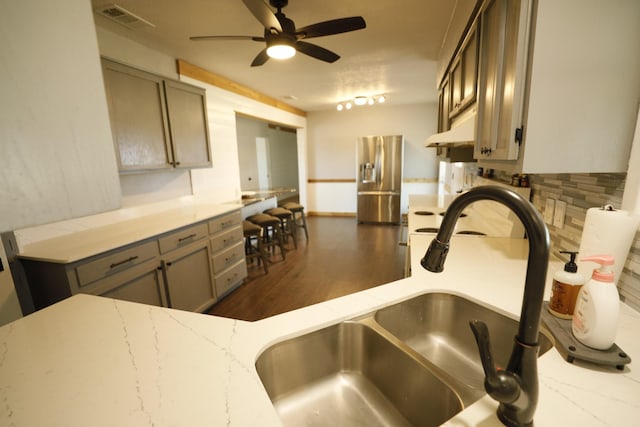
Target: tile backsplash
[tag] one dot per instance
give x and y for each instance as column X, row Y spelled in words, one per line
column 581, row 192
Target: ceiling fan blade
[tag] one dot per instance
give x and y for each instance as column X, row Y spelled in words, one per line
column 205, row 38
column 316, row 51
column 261, row 11
column 260, row 58
column 334, row 26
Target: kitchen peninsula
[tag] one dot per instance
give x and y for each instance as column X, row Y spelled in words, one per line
column 99, row 361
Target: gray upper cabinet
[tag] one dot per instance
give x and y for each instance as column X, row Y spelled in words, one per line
column 187, row 111
column 501, row 79
column 156, row 123
column 463, row 76
column 552, row 96
column 444, row 105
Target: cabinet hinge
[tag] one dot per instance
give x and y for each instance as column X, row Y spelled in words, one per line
column 518, row 136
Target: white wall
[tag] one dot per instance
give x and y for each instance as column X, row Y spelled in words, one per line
column 55, row 139
column 331, row 144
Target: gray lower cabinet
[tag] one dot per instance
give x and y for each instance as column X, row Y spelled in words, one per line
column 189, row 277
column 174, row 269
column 141, row 284
column 227, row 246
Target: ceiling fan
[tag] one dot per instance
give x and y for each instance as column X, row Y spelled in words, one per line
column 282, row 37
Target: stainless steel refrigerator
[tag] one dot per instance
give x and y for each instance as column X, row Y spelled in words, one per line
column 379, row 176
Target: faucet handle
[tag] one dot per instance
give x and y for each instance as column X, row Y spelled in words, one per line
column 501, row 385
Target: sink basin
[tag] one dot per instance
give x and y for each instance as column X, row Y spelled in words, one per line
column 436, row 325
column 412, row 363
column 349, row 374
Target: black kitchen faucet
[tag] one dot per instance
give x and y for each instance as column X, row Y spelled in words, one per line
column 516, row 388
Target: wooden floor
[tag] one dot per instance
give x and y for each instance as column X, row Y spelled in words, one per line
column 341, row 257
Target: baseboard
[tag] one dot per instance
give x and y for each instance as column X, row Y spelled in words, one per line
column 340, row 214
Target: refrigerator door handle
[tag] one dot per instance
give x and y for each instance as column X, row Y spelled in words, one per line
column 379, row 156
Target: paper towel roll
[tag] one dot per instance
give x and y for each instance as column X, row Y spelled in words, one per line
column 608, row 232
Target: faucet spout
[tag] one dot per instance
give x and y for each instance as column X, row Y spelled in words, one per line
column 516, row 388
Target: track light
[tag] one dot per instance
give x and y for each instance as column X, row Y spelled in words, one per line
column 361, row 100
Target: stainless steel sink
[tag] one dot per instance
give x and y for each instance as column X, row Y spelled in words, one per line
column 436, row 325
column 348, row 374
column 412, row 363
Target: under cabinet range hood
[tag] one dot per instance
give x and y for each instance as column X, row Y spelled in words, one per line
column 462, row 132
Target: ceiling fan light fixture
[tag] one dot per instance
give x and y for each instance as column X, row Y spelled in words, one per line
column 281, row 49
column 381, row 99
column 348, row 106
column 340, row 107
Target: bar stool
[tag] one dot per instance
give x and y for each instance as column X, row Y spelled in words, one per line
column 286, row 223
column 298, row 209
column 254, row 232
column 271, row 234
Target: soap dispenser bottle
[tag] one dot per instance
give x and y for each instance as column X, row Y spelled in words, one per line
column 595, row 319
column 566, row 286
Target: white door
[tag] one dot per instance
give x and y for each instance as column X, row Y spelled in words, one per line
column 264, row 163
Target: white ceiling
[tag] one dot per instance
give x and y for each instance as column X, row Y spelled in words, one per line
column 396, row 54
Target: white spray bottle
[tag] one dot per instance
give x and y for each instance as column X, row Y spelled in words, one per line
column 595, row 318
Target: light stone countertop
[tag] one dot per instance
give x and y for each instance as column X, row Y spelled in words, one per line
column 95, row 361
column 123, row 230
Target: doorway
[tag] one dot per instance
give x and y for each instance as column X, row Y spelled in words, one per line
column 268, row 155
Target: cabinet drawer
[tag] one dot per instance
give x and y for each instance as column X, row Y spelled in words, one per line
column 228, row 257
column 182, row 237
column 225, row 222
column 115, row 263
column 226, row 238
column 231, row 277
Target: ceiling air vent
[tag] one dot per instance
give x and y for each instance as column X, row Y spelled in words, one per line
column 122, row 16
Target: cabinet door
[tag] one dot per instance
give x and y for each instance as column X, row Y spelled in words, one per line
column 469, row 68
column 501, row 79
column 464, row 74
column 187, row 110
column 189, row 277
column 456, row 76
column 138, row 119
column 143, row 285
column 444, row 106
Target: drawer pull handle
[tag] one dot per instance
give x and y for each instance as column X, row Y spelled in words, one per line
column 190, row 236
column 116, row 264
